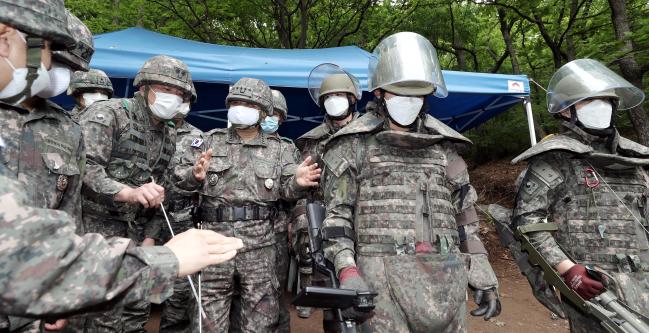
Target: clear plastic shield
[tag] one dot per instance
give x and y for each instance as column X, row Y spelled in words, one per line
column 406, row 63
column 330, row 78
column 587, row 78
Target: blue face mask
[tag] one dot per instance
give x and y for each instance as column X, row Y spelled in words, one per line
column 270, row 125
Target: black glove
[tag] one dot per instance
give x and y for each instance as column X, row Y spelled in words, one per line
column 488, row 302
column 350, row 278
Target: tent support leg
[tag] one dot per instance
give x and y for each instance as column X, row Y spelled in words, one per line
column 530, row 120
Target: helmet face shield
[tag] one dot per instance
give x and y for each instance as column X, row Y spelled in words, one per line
column 406, row 63
column 330, row 78
column 585, row 79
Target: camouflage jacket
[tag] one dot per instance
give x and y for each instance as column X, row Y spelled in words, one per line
column 107, row 125
column 285, row 207
column 382, row 212
column 312, row 143
column 44, row 150
column 255, row 173
column 595, row 189
column 178, row 202
column 48, row 270
column 75, row 113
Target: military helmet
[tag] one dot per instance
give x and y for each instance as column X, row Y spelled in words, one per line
column 253, row 91
column 92, row 79
column 43, row 18
column 78, row 58
column 165, row 70
column 583, row 79
column 406, row 64
column 279, row 103
column 330, row 78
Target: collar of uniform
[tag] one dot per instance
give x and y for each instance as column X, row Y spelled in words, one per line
column 7, row 107
column 599, row 143
column 259, row 140
column 41, row 110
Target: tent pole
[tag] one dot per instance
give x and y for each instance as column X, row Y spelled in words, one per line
column 530, row 119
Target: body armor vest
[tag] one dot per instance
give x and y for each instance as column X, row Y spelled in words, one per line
column 597, row 228
column 403, row 199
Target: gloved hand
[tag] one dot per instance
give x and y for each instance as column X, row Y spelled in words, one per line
column 350, row 278
column 489, row 304
column 578, row 279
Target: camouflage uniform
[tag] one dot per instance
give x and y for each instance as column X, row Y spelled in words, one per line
column 239, row 196
column 92, row 80
column 179, row 204
column 128, row 148
column 312, row 143
column 594, row 226
column 400, row 207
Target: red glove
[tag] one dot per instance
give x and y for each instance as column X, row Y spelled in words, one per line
column 578, row 279
column 350, row 278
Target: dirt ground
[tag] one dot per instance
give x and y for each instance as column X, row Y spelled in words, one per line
column 494, row 183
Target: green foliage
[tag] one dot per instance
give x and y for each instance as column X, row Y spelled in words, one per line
column 467, row 34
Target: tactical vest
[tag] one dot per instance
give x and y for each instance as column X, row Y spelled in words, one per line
column 596, row 227
column 403, row 198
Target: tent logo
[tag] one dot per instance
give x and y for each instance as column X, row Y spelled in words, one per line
column 515, row 86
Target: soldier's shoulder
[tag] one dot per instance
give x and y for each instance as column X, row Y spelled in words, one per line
column 61, row 114
column 287, row 140
column 105, row 112
column 365, row 124
column 437, row 127
column 554, row 143
column 317, row 133
column 630, row 147
column 217, row 132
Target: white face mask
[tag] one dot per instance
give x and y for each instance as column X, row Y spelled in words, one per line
column 596, row 114
column 243, row 115
column 336, row 106
column 19, row 82
column 166, row 105
column 59, row 81
column 184, row 109
column 404, row 109
column 90, row 98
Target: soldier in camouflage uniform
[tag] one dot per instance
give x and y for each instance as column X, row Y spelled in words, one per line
column 87, row 88
column 336, row 93
column 591, row 184
column 113, row 270
column 133, row 141
column 249, row 172
column 179, row 204
column 400, row 218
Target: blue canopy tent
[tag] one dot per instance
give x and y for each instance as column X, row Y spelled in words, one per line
column 473, row 97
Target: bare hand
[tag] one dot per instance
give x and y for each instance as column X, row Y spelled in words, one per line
column 197, row 249
column 202, row 164
column 148, row 242
column 307, row 173
column 56, row 326
column 148, row 195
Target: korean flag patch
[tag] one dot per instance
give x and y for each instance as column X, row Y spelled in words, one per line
column 197, row 142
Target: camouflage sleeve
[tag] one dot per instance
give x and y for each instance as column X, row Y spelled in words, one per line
column 535, row 196
column 464, row 196
column 183, row 161
column 71, row 203
column 99, row 128
column 290, row 190
column 339, row 186
column 48, row 270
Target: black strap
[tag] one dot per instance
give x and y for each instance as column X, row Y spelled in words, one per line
column 242, row 213
column 337, row 232
column 34, row 47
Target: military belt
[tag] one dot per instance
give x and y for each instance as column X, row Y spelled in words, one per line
column 242, row 213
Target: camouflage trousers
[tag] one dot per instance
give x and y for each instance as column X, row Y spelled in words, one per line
column 416, row 293
column 633, row 288
column 253, row 273
column 127, row 318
